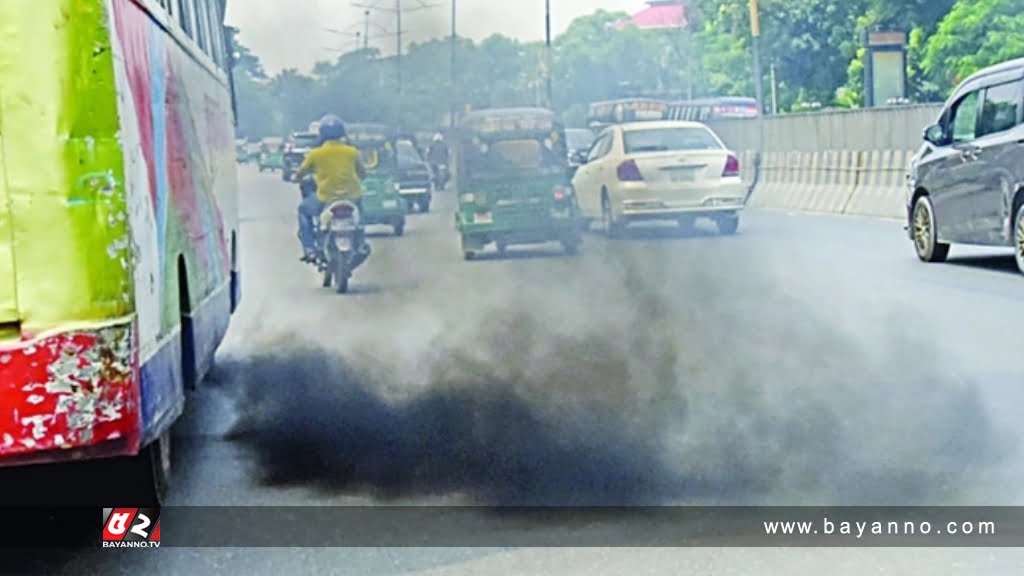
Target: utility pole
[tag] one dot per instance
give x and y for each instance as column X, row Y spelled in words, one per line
column 366, row 30
column 362, row 36
column 398, row 10
column 398, row 48
column 547, row 42
column 453, row 92
column 755, row 44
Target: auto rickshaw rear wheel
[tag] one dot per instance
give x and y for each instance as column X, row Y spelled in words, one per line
column 399, row 228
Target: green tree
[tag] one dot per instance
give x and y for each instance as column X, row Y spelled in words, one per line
column 919, row 18
column 810, row 43
column 975, row 34
column 255, row 104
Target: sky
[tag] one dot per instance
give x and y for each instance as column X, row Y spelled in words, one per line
column 292, row 33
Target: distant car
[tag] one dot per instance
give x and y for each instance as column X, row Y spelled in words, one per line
column 966, row 183
column 660, row 170
column 299, row 144
column 578, row 141
column 415, row 178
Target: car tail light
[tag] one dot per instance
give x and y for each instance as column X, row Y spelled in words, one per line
column 732, row 166
column 628, row 171
column 342, row 211
column 561, row 193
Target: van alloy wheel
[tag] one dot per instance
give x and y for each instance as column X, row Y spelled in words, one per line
column 1018, row 238
column 928, row 248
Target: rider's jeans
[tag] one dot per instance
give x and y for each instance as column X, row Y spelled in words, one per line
column 309, row 208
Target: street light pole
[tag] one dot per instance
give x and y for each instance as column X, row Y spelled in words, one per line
column 547, row 36
column 755, row 45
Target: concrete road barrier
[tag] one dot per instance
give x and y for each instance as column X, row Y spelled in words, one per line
column 836, row 161
column 881, row 185
column 807, row 181
column 852, row 182
column 774, row 181
column 835, row 181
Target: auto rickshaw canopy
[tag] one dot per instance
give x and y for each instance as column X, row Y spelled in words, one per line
column 506, row 141
column 376, row 144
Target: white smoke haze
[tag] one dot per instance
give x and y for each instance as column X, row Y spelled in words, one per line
column 292, row 35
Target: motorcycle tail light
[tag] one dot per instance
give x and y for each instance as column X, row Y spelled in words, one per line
column 342, row 211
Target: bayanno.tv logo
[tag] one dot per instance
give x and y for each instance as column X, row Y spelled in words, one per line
column 131, row 527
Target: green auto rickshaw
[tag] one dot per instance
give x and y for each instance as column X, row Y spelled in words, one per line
column 382, row 201
column 511, row 177
column 271, row 154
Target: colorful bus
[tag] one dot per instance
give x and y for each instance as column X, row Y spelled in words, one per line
column 713, row 109
column 118, row 227
column 608, row 112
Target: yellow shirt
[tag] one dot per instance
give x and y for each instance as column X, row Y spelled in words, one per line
column 336, row 165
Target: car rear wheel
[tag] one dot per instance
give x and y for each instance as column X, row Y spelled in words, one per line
column 1018, row 237
column 928, row 248
column 612, row 227
column 728, row 224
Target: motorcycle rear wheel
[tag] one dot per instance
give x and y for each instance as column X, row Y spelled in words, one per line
column 341, row 275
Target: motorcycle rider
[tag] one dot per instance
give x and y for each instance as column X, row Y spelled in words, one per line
column 338, row 172
column 437, row 155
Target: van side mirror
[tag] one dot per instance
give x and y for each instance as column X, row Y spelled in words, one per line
column 579, row 157
column 934, row 135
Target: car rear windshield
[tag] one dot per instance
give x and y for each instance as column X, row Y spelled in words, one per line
column 408, row 155
column 579, row 139
column 669, row 140
column 305, row 140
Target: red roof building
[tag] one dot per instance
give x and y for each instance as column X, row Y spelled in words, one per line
column 659, row 14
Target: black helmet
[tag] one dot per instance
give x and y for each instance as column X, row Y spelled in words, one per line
column 331, row 128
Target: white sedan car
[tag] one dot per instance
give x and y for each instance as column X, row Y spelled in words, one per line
column 664, row 170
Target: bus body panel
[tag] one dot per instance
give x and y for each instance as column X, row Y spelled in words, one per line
column 117, row 144
column 10, row 317
column 176, row 127
column 68, row 374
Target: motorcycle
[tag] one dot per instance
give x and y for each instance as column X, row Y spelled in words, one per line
column 440, row 176
column 341, row 245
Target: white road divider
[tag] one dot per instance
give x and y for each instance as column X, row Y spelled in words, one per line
column 849, row 182
column 881, row 185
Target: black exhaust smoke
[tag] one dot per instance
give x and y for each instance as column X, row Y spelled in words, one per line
column 312, row 421
column 641, row 379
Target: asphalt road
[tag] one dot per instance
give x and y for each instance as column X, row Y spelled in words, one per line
column 806, row 360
